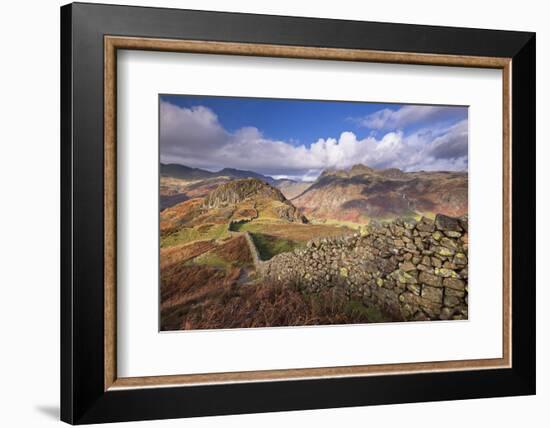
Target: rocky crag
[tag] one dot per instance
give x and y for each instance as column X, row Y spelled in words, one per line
column 361, row 194
column 410, row 270
column 252, row 189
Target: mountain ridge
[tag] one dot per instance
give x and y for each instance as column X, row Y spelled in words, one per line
column 362, row 193
column 356, row 194
column 185, row 172
column 236, row 192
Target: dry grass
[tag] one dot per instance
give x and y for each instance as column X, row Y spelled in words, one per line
column 295, row 231
column 264, row 305
column 235, row 251
column 172, row 218
column 182, row 253
column 187, row 288
column 245, row 211
column 185, row 235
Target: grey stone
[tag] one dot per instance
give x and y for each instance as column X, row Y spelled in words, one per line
column 429, row 279
column 407, row 266
column 445, row 273
column 464, row 222
column 444, row 251
column 454, row 292
column 414, row 288
column 454, row 283
column 443, row 222
column 446, row 313
column 460, row 259
column 451, row 301
column 437, row 235
column 420, row 316
column 436, row 262
column 433, row 294
column 404, row 277
column 424, row 279
column 448, row 243
column 425, row 225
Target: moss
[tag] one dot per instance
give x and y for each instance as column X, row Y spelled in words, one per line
column 237, row 226
column 211, row 259
column 269, row 246
column 356, row 309
column 186, row 235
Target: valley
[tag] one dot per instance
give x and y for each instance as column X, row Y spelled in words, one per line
column 218, row 231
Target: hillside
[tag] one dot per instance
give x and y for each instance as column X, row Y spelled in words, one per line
column 291, row 188
column 357, row 195
column 179, row 183
column 184, row 172
column 362, row 193
column 234, row 202
column 238, row 191
column 243, row 255
column 187, row 173
column 211, row 246
column 237, row 173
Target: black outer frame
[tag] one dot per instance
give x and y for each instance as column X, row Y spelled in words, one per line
column 83, row 399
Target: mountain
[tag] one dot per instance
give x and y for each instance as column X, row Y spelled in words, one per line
column 363, row 193
column 179, row 182
column 175, row 170
column 187, row 173
column 237, row 173
column 237, row 191
column 355, row 195
column 235, row 201
column 291, row 188
column 258, row 192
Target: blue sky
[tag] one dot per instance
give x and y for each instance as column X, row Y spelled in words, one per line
column 300, row 138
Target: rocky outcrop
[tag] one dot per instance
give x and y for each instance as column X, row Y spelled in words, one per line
column 251, row 189
column 411, row 270
column 237, row 191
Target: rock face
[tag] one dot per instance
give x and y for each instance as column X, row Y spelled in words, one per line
column 237, row 191
column 363, row 193
column 411, row 270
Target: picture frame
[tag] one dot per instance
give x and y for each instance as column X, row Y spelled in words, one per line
column 91, row 390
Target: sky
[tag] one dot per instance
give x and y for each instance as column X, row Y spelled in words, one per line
column 299, row 139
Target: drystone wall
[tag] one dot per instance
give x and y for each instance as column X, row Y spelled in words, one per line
column 410, row 270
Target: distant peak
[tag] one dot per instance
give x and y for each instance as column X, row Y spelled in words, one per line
column 239, row 173
column 359, row 169
column 393, row 173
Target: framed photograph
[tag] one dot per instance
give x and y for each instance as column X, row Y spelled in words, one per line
column 266, row 213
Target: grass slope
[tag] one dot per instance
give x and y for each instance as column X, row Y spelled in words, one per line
column 269, row 245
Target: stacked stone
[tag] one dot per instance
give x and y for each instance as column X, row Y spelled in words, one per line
column 439, row 289
column 411, row 270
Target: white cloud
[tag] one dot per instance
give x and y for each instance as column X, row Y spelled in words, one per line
column 407, row 115
column 195, row 137
column 309, row 175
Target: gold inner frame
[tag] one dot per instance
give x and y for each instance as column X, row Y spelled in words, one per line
column 113, row 43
